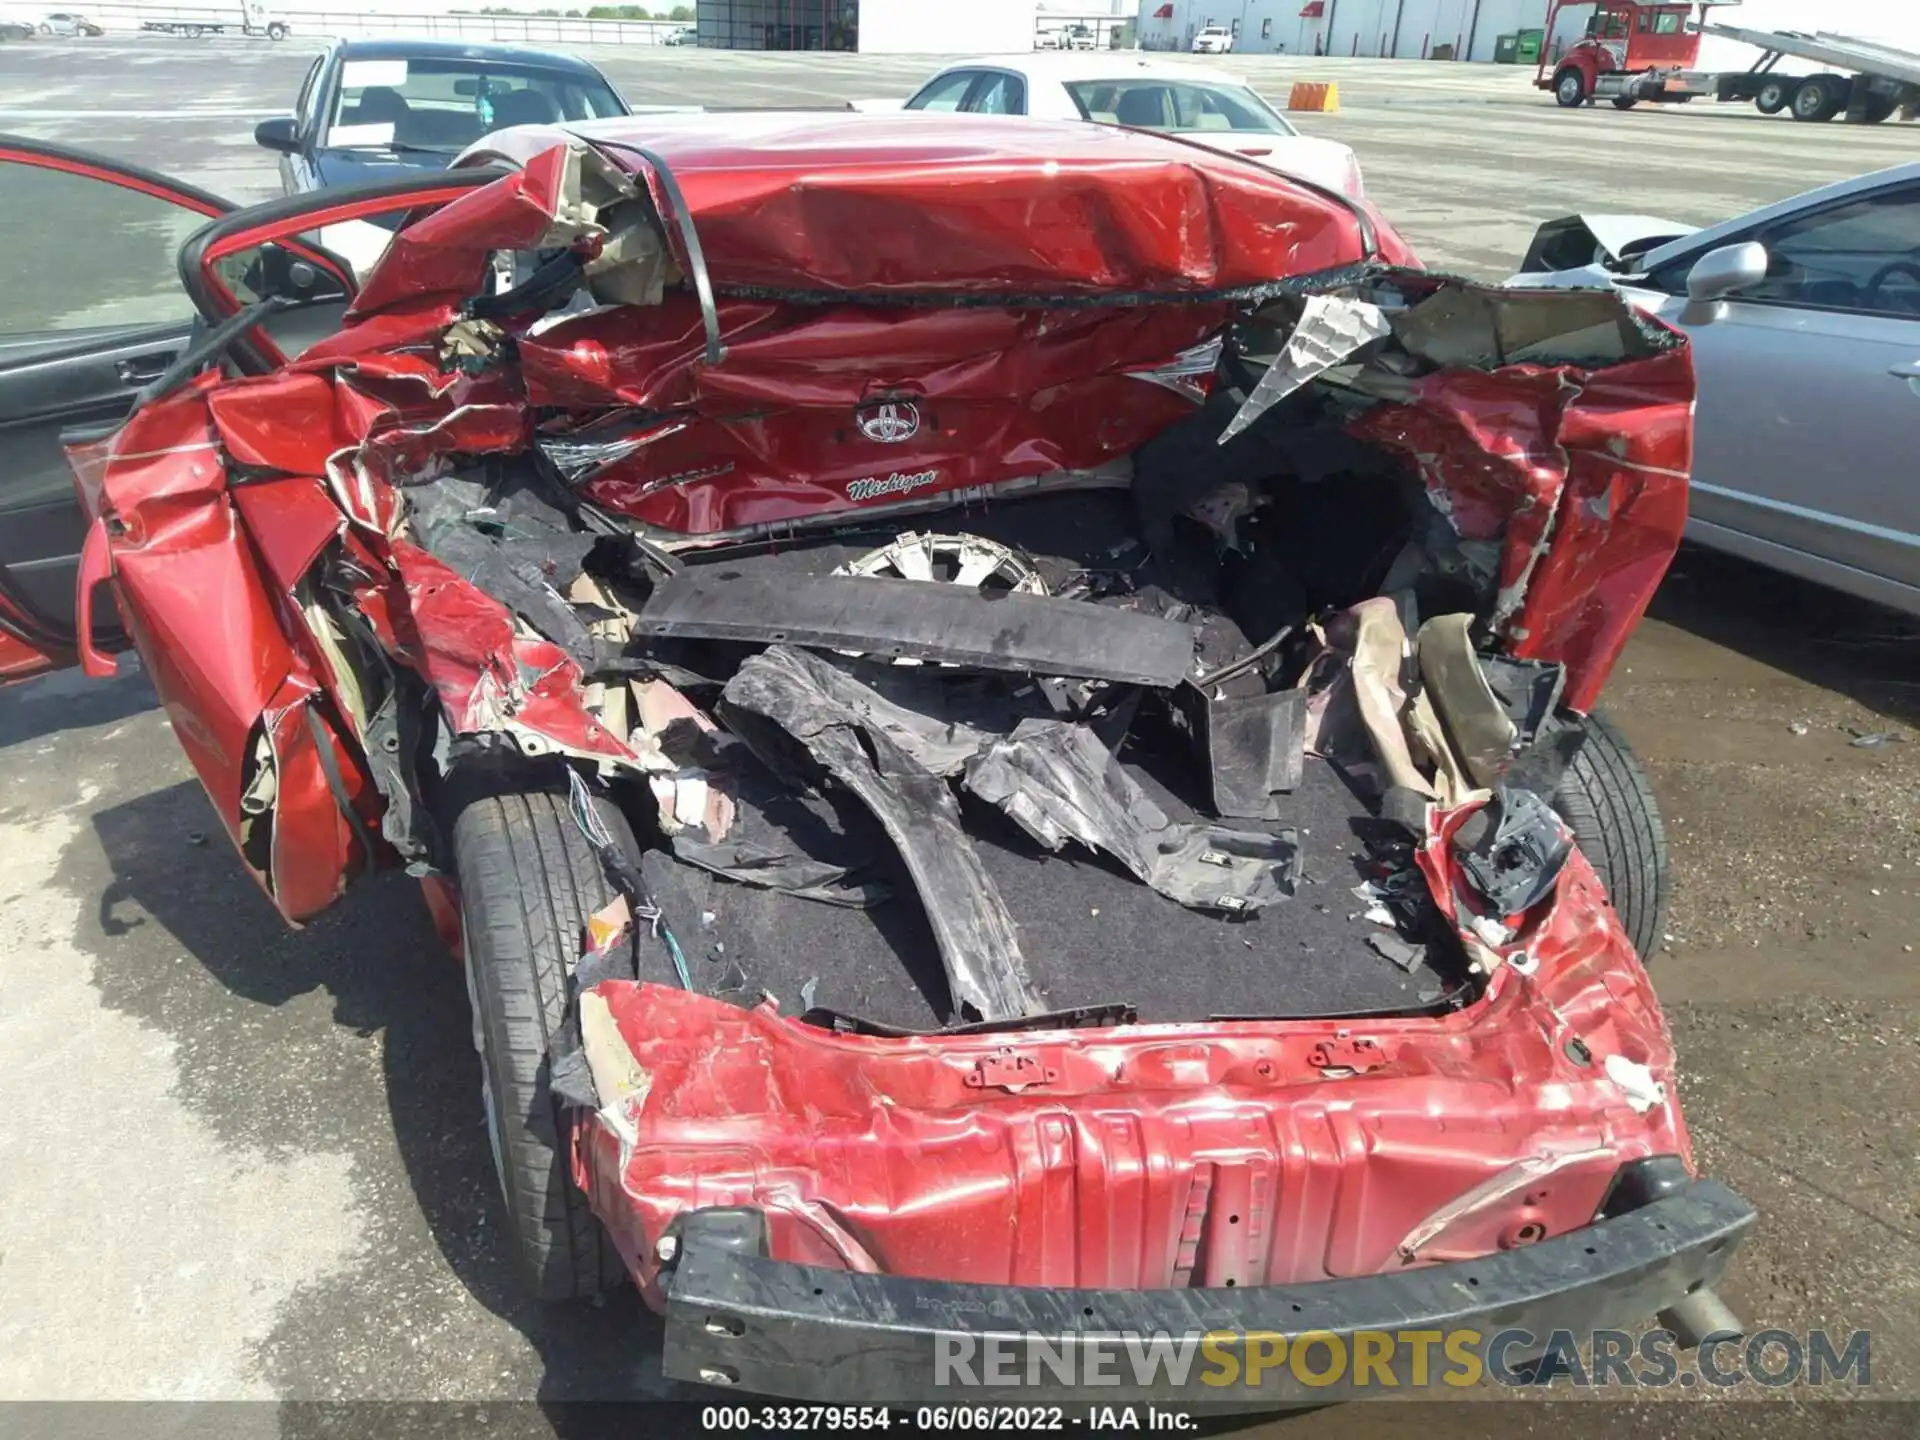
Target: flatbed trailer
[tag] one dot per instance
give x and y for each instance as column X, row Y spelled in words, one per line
column 1866, row 82
column 1645, row 50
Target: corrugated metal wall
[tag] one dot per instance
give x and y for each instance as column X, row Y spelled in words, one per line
column 1409, row 29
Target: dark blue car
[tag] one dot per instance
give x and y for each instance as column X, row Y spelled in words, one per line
column 379, row 109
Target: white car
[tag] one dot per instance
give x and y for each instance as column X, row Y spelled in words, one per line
column 65, row 22
column 1172, row 97
column 1805, row 322
column 1213, row 40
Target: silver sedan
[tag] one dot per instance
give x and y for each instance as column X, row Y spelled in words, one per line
column 1805, row 321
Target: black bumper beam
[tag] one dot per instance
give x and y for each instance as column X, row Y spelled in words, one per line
column 737, row 1318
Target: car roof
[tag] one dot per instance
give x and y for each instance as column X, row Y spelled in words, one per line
column 1065, row 66
column 402, row 48
column 825, row 141
column 1792, row 205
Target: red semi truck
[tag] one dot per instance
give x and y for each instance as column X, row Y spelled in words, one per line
column 1634, row 51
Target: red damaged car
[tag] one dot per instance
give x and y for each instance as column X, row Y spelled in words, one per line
column 1000, row 712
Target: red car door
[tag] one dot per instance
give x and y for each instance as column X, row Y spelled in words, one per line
column 84, row 324
column 104, row 371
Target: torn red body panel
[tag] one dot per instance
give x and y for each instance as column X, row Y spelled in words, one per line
column 221, row 647
column 980, row 396
column 1581, row 476
column 1149, row 1156
column 490, row 680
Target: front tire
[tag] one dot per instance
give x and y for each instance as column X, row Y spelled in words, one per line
column 1569, row 88
column 528, row 883
column 1607, row 801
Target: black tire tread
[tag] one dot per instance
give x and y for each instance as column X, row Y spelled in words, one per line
column 1607, row 801
column 528, row 882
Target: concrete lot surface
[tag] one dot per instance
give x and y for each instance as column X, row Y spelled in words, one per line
column 242, row 1162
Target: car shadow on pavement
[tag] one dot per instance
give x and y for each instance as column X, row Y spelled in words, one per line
column 350, row 1035
column 1867, row 652
column 68, row 700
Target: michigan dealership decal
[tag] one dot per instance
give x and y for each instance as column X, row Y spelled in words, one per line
column 898, row 483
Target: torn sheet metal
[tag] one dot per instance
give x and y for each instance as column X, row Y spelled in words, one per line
column 891, row 618
column 1059, row 783
column 512, row 544
column 580, row 454
column 719, row 1126
column 1331, row 328
column 555, row 201
column 825, row 710
column 1481, row 327
column 489, row 678
column 208, row 620
column 1570, row 454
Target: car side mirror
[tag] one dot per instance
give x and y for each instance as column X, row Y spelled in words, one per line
column 280, row 133
column 271, row 271
column 1720, row 273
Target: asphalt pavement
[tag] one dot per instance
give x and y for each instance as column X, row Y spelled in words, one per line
column 243, row 1162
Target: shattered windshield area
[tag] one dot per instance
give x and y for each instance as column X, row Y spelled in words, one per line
column 446, row 105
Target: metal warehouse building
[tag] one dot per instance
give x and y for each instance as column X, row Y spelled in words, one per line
column 874, row 27
column 1406, row 29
